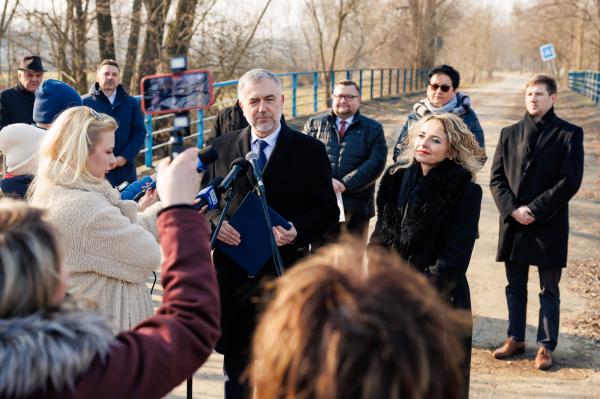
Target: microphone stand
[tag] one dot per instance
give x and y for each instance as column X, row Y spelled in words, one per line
column 274, row 248
column 213, row 239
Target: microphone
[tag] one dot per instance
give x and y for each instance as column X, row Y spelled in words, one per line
column 205, row 158
column 253, row 159
column 238, row 167
column 209, row 195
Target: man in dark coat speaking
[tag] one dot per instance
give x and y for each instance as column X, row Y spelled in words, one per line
column 537, row 169
column 297, row 178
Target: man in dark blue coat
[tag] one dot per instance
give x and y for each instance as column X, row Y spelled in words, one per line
column 109, row 97
column 357, row 152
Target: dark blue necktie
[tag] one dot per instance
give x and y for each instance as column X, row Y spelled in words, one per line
column 262, row 157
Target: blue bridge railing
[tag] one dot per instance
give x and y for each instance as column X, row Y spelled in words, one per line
column 304, row 94
column 586, row 83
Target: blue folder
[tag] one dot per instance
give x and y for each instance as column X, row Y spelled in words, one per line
column 255, row 249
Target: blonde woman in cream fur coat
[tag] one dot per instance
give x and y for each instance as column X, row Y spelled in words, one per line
column 109, row 246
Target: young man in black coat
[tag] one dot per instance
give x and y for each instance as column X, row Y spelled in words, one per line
column 537, row 169
column 357, row 152
column 297, row 178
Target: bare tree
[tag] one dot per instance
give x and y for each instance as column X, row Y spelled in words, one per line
column 8, row 13
column 156, row 11
column 79, row 39
column 106, row 41
column 326, row 33
column 227, row 46
column 181, row 30
column 132, row 45
column 65, row 27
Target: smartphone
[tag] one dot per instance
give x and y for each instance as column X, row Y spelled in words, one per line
column 169, row 93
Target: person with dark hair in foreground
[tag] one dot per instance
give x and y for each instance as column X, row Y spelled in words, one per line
column 54, row 346
column 351, row 332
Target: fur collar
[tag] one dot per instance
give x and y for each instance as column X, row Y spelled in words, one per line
column 430, row 205
column 42, row 352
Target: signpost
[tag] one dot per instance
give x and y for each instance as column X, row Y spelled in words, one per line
column 548, row 54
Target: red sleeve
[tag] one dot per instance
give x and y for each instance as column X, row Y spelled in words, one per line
column 165, row 349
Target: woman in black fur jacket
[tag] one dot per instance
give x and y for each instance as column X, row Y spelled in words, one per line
column 428, row 206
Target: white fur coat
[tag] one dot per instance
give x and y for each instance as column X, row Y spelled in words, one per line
column 109, row 247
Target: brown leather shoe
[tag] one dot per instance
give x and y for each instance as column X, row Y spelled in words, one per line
column 543, row 358
column 509, row 348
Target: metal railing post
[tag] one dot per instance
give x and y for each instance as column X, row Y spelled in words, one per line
column 372, row 81
column 397, row 81
column 148, row 141
column 200, row 128
column 404, row 81
column 411, row 80
column 348, row 74
column 381, row 77
column 360, row 80
column 332, row 80
column 315, row 91
column 294, row 90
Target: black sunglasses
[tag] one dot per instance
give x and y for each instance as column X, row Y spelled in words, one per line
column 435, row 86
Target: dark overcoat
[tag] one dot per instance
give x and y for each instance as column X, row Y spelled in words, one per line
column 357, row 160
column 436, row 230
column 297, row 180
column 545, row 182
column 16, row 106
column 130, row 135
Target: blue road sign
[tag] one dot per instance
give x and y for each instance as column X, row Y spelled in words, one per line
column 547, row 52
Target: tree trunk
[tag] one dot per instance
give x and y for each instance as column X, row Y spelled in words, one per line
column 106, row 41
column 132, row 47
column 155, row 27
column 181, row 30
column 423, row 13
column 79, row 39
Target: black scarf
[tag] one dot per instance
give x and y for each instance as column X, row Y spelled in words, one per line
column 532, row 132
column 414, row 210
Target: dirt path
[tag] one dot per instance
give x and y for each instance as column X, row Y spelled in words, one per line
column 577, row 372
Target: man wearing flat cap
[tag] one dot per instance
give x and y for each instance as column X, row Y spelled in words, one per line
column 16, row 104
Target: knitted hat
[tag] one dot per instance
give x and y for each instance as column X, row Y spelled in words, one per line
column 52, row 98
column 20, row 143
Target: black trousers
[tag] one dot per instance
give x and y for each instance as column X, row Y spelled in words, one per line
column 236, row 382
column 516, row 298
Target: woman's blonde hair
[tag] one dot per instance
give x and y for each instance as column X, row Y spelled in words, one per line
column 463, row 148
column 29, row 260
column 337, row 330
column 69, row 142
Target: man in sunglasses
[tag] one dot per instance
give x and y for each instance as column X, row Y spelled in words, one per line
column 357, row 151
column 442, row 96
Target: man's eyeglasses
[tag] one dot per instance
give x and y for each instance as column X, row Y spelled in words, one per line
column 435, row 86
column 346, row 97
